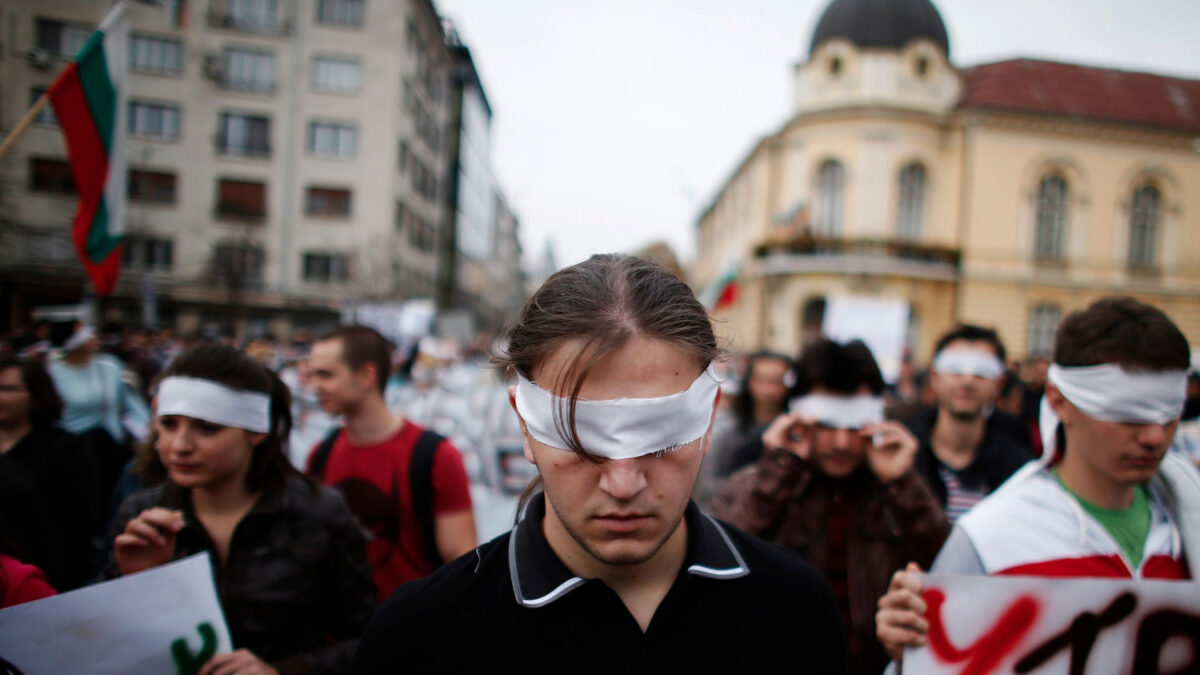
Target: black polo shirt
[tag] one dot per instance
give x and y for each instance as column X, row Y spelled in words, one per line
column 739, row 604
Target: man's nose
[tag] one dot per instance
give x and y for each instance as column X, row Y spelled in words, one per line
column 842, row 438
column 622, row 478
column 1153, row 435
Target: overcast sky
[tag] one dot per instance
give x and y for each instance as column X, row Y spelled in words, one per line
column 616, row 121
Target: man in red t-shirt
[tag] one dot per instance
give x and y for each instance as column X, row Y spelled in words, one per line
column 371, row 457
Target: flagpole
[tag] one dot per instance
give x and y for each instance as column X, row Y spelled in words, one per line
column 23, row 124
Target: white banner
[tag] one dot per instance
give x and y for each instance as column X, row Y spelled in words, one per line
column 983, row 625
column 163, row 620
column 881, row 323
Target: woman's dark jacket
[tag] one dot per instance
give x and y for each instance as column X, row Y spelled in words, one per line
column 296, row 588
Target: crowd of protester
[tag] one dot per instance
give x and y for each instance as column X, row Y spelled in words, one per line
column 323, row 474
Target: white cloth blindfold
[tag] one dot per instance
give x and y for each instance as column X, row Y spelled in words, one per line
column 839, row 412
column 80, row 336
column 212, row 402
column 1111, row 394
column 622, row 428
column 961, row 361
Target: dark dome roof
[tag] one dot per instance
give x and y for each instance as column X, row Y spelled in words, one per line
column 881, row 23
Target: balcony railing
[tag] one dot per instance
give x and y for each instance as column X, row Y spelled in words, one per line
column 806, row 253
column 246, row 24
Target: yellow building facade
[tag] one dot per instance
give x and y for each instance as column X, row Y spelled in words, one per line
column 1006, row 195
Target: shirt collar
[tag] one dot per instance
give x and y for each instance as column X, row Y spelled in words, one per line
column 539, row 577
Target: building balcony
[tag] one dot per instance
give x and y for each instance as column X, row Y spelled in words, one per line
column 859, row 257
column 257, row 25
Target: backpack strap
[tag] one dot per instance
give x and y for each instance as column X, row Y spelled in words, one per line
column 320, row 458
column 420, row 485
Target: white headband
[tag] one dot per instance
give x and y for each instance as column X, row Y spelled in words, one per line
column 1111, row 394
column 212, row 402
column 80, row 336
column 622, row 428
column 839, row 412
column 964, row 361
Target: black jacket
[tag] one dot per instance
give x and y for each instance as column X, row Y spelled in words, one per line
column 296, row 587
column 738, row 605
column 1005, row 448
column 58, row 469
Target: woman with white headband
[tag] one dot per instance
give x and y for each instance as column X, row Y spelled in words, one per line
column 612, row 568
column 289, row 560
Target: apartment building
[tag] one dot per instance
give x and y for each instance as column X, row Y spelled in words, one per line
column 287, row 159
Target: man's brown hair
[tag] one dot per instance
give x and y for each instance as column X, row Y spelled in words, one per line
column 1122, row 331
column 361, row 346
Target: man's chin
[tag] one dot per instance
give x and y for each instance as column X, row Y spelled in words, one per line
column 966, row 415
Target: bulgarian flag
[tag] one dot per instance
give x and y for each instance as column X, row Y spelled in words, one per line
column 89, row 101
column 723, row 291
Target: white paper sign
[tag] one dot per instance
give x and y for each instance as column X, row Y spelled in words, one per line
column 982, row 625
column 881, row 323
column 163, row 620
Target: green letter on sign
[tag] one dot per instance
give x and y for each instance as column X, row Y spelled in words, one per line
column 187, row 663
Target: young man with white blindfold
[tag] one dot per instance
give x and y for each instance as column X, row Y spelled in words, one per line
column 612, row 568
column 967, row 449
column 1106, row 500
column 835, row 483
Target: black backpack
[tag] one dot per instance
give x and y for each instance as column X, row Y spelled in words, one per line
column 420, row 483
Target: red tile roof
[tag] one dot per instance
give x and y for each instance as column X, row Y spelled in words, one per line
column 1084, row 92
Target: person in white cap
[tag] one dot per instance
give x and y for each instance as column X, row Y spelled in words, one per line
column 612, row 568
column 1107, row 499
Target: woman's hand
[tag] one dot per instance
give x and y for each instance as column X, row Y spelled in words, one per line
column 242, row 662
column 148, row 540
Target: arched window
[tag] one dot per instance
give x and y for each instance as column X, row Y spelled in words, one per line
column 1143, row 227
column 1043, row 325
column 827, row 207
column 1051, row 218
column 812, row 319
column 911, row 211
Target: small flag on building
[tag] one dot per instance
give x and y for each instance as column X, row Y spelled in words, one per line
column 723, row 291
column 89, row 100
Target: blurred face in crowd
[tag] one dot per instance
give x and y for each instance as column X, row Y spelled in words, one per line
column 618, row 512
column 836, row 452
column 766, row 384
column 965, row 396
column 15, row 401
column 197, row 453
column 339, row 388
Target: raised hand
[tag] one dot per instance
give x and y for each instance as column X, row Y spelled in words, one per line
column 148, row 540
column 790, row 432
column 890, row 450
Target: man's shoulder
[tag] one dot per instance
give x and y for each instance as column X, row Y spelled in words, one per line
column 771, row 566
column 424, row 609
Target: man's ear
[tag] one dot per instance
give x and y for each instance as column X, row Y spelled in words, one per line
column 707, row 445
column 1058, row 402
column 366, row 375
column 512, row 401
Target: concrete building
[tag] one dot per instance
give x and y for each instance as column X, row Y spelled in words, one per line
column 480, row 274
column 1005, row 194
column 287, row 158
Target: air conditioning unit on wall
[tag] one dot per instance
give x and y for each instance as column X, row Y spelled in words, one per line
column 213, row 67
column 39, row 58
